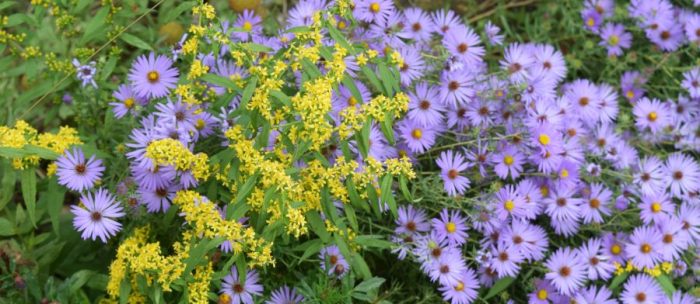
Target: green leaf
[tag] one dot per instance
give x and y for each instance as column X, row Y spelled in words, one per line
column 298, row 29
column 403, row 185
column 9, row 152
column 372, row 77
column 666, row 284
column 221, row 81
column 255, row 47
column 135, row 41
column 6, row 227
column 243, row 192
column 311, row 247
column 95, row 26
column 310, row 68
column 317, row 225
column 340, row 38
column 387, row 128
column 618, row 280
column 41, row 152
column 387, row 196
column 7, row 183
column 54, row 202
column 499, row 286
column 387, row 78
column 369, row 284
column 248, row 92
column 28, row 179
column 172, row 14
column 376, row 241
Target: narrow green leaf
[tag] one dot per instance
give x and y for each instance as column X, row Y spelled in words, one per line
column 95, row 26
column 369, row 284
column 317, row 225
column 248, row 91
column 388, row 197
column 243, row 192
column 41, row 152
column 7, row 183
column 28, row 179
column 403, row 185
column 6, row 227
column 372, row 77
column 499, row 286
column 666, row 284
column 220, row 81
column 135, row 41
column 54, row 202
column 618, row 280
column 171, row 15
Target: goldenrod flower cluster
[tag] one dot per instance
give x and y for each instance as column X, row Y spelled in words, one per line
column 23, row 134
column 171, row 152
column 657, row 270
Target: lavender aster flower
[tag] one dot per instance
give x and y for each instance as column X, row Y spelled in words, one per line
column 464, row 44
column 652, row 114
column 411, row 221
column 492, row 33
column 377, row 11
column 239, row 292
column 567, row 272
column 424, row 106
column 75, row 172
column 85, row 72
column 691, row 82
column 152, row 76
column 451, row 226
column 598, row 264
column 96, row 218
column 597, row 295
column 615, row 38
column 333, row 262
column 128, row 99
column 451, row 164
column 285, row 295
column 642, row 289
column 464, row 291
column 682, row 174
column 644, row 247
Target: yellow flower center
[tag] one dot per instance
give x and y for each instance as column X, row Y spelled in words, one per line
column 374, row 7
column 200, row 124
column 544, row 139
column 417, row 133
column 247, row 26
column 451, row 227
column 509, row 205
column 652, row 116
column 544, row 190
column 342, row 25
column 615, row 249
column 630, row 94
column 655, row 207
column 646, row 248
column 590, row 22
column 542, row 294
column 564, row 173
column 613, row 40
column 153, row 76
column 508, row 160
column 129, row 103
column 459, row 286
column 352, row 101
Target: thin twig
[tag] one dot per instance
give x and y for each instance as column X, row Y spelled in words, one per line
column 493, row 10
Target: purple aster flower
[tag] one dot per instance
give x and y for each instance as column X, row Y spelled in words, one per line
column 456, row 87
column 679, row 297
column 608, row 102
column 597, row 295
column 411, row 221
column 615, row 38
column 652, row 114
column 509, row 162
column 446, row 21
column 241, row 292
column 549, row 62
column 413, row 65
column 285, row 295
column 613, row 246
column 517, row 59
column 75, row 172
column 644, row 247
column 692, row 28
column 451, row 226
column 508, row 202
column 179, row 114
column 464, row 44
column 631, row 83
column 689, row 215
column 430, row 247
column 691, row 82
column 584, row 98
column 177, row 47
column 674, row 240
column 376, row 11
column 598, row 264
column 566, row 271
column 464, row 291
column 642, row 289
column 447, row 269
column 85, row 72
column 505, row 260
column 605, row 8
column 333, row 262
column 424, row 106
column 481, row 157
column 303, row 12
column 451, row 165
column 667, row 36
column 480, row 113
column 562, row 205
column 250, row 25
column 419, row 25
column 419, row 139
column 591, row 19
column 158, row 199
column 343, row 97
column 153, row 77
column 127, row 100
column 544, row 293
column 96, row 217
column 650, row 176
column 598, row 198
column 682, row 174
column 530, row 240
column 655, row 206
column 492, row 33
column 457, row 117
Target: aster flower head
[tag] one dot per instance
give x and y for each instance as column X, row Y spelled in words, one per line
column 424, row 105
column 597, row 295
column 691, row 82
column 517, row 61
column 241, row 292
column 456, row 87
column 650, row 175
column 652, row 114
column 615, row 38
column 411, row 221
column 376, row 11
column 506, row 260
column 127, row 101
column 77, row 173
column 446, row 21
column 598, row 264
column 631, row 83
column 451, row 226
column 549, row 62
column 674, row 239
column 566, row 271
column 493, row 33
column 655, row 206
column 97, row 215
column 451, row 164
column 544, row 293
column 644, row 247
column 591, row 19
column 447, row 269
column 285, row 295
column 250, row 24
column 153, row 76
column 509, row 162
column 464, row 43
column 418, row 138
column 642, row 289
column 682, row 174
column 85, row 72
column 333, row 262
column 419, row 25
column 464, row 291
column 413, row 65
column 595, row 203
